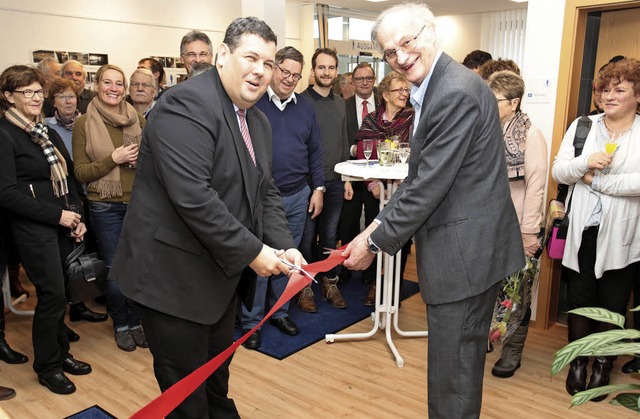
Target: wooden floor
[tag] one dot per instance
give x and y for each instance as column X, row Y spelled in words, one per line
column 356, row 379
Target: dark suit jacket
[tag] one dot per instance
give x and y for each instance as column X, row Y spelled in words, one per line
column 456, row 197
column 352, row 116
column 200, row 210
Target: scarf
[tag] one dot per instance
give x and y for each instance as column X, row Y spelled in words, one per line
column 64, row 122
column 100, row 146
column 40, row 135
column 375, row 127
column 515, row 139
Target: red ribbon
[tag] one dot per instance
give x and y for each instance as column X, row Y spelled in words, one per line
column 174, row 395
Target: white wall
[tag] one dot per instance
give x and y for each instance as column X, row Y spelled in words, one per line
column 125, row 30
column 460, row 34
column 545, row 19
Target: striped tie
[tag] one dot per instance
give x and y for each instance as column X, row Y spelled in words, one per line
column 245, row 134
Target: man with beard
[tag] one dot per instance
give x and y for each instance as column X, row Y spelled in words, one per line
column 322, row 231
column 297, row 161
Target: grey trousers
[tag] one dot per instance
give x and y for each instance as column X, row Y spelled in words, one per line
column 457, row 351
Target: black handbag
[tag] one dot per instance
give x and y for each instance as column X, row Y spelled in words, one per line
column 86, row 275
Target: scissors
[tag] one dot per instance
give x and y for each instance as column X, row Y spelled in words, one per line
column 297, row 268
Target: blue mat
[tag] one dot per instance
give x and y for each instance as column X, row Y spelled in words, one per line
column 93, row 412
column 314, row 326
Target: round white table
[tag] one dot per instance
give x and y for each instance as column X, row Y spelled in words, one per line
column 387, row 300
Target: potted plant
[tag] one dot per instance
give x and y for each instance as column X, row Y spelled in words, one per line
column 609, row 343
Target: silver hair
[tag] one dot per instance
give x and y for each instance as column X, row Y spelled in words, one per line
column 410, row 12
column 84, row 72
column 193, row 36
column 146, row 72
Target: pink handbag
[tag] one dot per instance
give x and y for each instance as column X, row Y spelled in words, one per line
column 556, row 228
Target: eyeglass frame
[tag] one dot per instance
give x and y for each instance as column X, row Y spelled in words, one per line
column 144, row 85
column 296, row 77
column 29, row 94
column 64, row 98
column 362, row 79
column 193, row 55
column 406, row 46
column 401, row 90
column 500, row 100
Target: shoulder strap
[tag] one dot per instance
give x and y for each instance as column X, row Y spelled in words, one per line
column 75, row 254
column 582, row 131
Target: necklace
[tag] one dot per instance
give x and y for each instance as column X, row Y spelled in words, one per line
column 614, row 134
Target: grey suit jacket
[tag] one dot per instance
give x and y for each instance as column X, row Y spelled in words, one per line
column 200, row 209
column 456, row 197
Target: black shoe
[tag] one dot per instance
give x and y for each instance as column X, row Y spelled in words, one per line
column 286, row 325
column 80, row 311
column 72, row 366
column 58, row 383
column 71, row 335
column 632, row 367
column 7, row 393
column 10, row 356
column 253, row 341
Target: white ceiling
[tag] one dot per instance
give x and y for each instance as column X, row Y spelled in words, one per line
column 438, row 7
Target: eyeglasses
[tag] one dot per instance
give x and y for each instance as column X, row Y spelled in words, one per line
column 401, row 90
column 30, row 93
column 74, row 73
column 391, row 55
column 65, row 97
column 202, row 55
column 135, row 85
column 286, row 74
column 500, row 100
column 363, row 79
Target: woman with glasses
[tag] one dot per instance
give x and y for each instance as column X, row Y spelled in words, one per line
column 105, row 149
column 526, row 153
column 142, row 91
column 392, row 118
column 36, row 188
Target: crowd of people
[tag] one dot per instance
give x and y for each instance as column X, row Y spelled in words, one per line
column 234, row 181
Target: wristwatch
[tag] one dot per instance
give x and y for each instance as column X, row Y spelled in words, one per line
column 373, row 248
column 321, row 189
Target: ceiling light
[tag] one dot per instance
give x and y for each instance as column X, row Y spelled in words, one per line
column 376, row 1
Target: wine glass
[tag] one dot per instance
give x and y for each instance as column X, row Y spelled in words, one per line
column 128, row 140
column 385, row 153
column 367, row 147
column 403, row 152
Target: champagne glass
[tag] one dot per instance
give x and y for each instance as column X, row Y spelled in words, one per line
column 403, row 152
column 128, row 140
column 367, row 147
column 611, row 148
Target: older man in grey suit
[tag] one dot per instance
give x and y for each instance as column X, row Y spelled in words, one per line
column 455, row 201
column 205, row 216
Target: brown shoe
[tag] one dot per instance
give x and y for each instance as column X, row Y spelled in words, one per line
column 370, row 299
column 331, row 292
column 306, row 302
column 7, row 393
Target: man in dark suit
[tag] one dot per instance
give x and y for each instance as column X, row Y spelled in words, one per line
column 363, row 79
column 205, row 216
column 455, row 201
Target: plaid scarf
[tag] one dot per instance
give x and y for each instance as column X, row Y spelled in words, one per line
column 40, row 135
column 66, row 123
column 375, row 127
column 515, row 139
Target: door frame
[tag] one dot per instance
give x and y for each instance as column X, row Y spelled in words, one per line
column 571, row 57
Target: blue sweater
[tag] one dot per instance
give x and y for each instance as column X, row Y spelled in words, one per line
column 298, row 158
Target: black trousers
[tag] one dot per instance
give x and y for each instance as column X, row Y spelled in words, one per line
column 349, row 226
column 179, row 347
column 611, row 291
column 43, row 249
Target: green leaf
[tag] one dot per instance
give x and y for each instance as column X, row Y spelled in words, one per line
column 628, row 400
column 584, row 396
column 587, row 345
column 601, row 315
column 621, row 348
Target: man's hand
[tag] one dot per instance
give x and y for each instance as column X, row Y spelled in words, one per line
column 315, row 203
column 357, row 252
column 294, row 257
column 267, row 262
column 348, row 191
